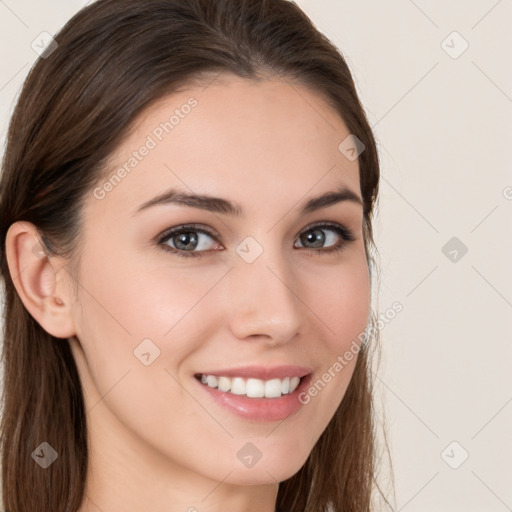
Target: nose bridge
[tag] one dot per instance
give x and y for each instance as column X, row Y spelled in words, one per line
column 263, row 300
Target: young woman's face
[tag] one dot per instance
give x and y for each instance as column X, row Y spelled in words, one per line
column 234, row 295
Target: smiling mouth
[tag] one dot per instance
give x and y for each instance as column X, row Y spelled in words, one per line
column 251, row 387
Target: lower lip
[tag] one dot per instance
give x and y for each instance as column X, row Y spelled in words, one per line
column 259, row 409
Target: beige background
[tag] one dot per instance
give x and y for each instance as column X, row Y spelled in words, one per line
column 442, row 118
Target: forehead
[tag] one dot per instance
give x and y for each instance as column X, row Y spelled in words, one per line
column 238, row 138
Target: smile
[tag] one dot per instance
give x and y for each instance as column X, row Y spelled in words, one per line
column 252, row 388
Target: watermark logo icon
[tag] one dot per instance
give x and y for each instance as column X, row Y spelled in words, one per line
column 454, row 249
column 454, row 45
column 351, row 147
column 249, row 249
column 45, row 455
column 249, row 455
column 146, row 352
column 454, row 455
column 44, row 45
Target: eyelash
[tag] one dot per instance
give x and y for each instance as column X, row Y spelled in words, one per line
column 345, row 233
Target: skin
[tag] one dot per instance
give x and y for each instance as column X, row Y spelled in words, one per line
column 157, row 440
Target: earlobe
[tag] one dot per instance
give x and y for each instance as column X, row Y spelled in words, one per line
column 36, row 281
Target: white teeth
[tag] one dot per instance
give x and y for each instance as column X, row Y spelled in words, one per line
column 253, row 388
column 285, row 386
column 273, row 388
column 238, row 386
column 224, row 384
column 211, row 380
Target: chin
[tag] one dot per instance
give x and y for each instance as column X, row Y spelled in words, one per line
column 262, row 475
column 273, row 465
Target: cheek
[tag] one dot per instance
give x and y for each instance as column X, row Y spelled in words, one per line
column 343, row 304
column 145, row 322
column 144, row 297
column 343, row 308
column 160, row 316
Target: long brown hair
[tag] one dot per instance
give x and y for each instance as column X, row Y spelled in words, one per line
column 113, row 60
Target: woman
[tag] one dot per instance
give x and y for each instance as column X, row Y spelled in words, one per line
column 186, row 206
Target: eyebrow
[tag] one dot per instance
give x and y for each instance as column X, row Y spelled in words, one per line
column 226, row 207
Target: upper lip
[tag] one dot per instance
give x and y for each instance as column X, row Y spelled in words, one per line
column 261, row 372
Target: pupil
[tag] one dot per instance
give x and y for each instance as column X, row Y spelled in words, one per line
column 319, row 236
column 184, row 239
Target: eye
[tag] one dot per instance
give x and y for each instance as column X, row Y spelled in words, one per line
column 185, row 239
column 316, row 235
column 191, row 240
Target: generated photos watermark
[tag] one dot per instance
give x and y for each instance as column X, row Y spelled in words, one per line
column 344, row 359
column 152, row 140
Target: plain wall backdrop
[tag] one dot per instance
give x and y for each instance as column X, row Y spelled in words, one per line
column 435, row 79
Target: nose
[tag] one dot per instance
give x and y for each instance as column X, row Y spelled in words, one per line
column 263, row 300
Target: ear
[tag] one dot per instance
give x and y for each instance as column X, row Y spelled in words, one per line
column 41, row 287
